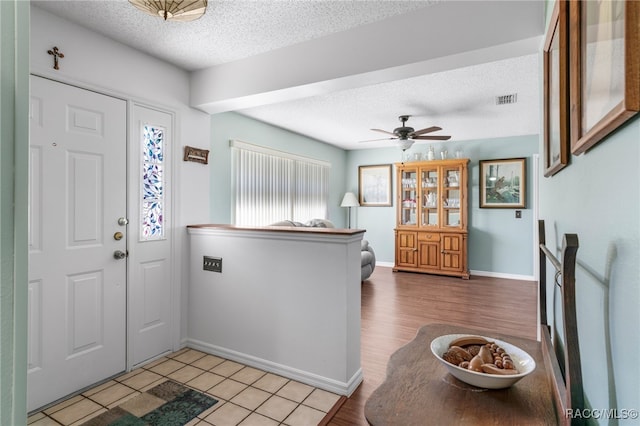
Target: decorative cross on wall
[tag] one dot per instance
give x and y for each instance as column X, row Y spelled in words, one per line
column 56, row 54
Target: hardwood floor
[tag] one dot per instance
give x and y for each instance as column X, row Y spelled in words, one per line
column 396, row 304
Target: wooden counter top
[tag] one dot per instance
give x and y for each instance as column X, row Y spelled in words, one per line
column 296, row 229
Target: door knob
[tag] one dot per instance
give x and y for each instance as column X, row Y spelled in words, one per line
column 123, row 221
column 119, row 254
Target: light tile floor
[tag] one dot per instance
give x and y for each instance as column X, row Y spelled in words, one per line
column 247, row 396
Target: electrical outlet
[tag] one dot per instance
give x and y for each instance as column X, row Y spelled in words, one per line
column 518, row 214
column 213, row 264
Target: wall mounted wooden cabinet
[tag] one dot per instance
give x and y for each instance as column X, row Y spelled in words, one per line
column 431, row 228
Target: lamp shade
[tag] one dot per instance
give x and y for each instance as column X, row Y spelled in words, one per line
column 405, row 144
column 172, row 10
column 349, row 200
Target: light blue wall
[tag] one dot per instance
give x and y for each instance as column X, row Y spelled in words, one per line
column 14, row 166
column 498, row 242
column 597, row 196
column 378, row 221
column 228, row 126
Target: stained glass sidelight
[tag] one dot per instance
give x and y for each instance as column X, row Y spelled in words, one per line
column 152, row 207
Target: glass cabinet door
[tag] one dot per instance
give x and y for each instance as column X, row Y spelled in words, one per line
column 429, row 197
column 408, row 197
column 451, row 197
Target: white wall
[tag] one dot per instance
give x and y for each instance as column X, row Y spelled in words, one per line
column 95, row 62
column 285, row 302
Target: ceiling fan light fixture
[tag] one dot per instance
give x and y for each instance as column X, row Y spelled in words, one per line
column 172, row 10
column 406, row 136
column 405, row 144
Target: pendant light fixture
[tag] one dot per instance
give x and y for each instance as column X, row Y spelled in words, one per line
column 172, row 10
column 405, row 144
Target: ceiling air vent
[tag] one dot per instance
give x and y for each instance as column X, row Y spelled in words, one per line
column 507, row 99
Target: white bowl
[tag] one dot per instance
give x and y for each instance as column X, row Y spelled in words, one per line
column 522, row 360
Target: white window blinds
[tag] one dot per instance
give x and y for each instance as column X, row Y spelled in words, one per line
column 270, row 186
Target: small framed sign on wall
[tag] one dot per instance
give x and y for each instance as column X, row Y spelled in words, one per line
column 197, row 155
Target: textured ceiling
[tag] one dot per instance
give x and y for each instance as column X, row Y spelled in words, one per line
column 461, row 100
column 446, row 99
column 230, row 30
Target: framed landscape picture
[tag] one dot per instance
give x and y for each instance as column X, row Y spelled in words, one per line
column 503, row 183
column 556, row 92
column 605, row 69
column 374, row 185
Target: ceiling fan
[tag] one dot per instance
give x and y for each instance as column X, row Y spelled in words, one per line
column 406, row 136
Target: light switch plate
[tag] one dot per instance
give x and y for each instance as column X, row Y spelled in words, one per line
column 213, row 264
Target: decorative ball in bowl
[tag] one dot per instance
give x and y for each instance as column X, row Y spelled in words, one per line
column 488, row 373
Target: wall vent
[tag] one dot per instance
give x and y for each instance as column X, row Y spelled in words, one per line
column 507, row 99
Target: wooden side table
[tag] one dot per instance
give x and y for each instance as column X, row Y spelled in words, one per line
column 418, row 390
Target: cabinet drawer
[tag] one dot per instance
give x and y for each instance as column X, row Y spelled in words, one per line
column 428, row 236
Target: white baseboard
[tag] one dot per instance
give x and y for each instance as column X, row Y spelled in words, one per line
column 324, row 383
column 502, row 275
column 480, row 273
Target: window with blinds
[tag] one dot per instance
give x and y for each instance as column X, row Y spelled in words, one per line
column 269, row 186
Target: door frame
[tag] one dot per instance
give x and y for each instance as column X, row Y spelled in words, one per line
column 171, row 231
column 174, row 183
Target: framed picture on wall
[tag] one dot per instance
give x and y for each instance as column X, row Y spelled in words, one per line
column 556, row 91
column 374, row 185
column 503, row 183
column 604, row 67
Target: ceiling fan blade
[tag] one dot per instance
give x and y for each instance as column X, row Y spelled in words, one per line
column 427, row 130
column 375, row 140
column 432, row 138
column 384, row 131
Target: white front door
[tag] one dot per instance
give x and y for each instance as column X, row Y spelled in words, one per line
column 77, row 286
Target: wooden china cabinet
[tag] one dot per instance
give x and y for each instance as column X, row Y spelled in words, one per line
column 431, row 226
